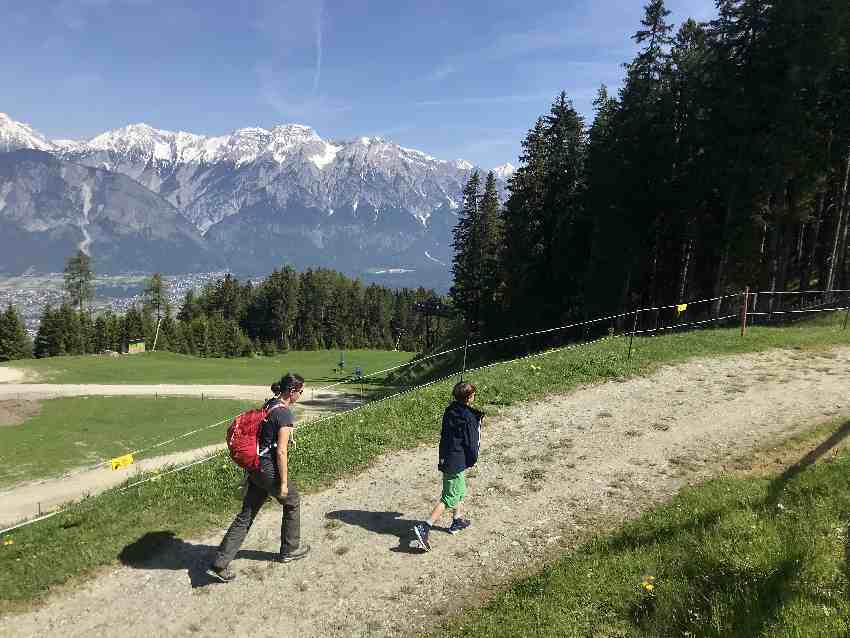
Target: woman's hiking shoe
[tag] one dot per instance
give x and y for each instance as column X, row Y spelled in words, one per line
column 458, row 525
column 422, row 530
column 295, row 554
column 225, row 574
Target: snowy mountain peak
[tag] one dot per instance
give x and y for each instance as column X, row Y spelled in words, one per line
column 15, row 135
column 504, row 171
column 293, row 130
column 142, row 142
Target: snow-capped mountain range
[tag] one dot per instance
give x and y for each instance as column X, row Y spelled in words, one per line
column 352, row 204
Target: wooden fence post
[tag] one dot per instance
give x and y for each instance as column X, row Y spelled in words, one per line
column 744, row 311
column 631, row 338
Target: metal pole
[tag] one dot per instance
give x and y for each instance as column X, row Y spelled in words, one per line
column 156, row 336
column 465, row 346
column 744, row 311
column 631, row 338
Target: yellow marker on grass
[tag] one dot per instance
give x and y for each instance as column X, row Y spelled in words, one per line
column 121, row 461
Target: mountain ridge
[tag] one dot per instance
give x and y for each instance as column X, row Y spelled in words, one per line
column 358, row 205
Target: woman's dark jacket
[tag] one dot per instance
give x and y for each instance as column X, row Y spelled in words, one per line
column 459, row 438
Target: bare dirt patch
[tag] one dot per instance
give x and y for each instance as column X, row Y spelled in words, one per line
column 16, row 411
column 11, row 375
column 551, row 474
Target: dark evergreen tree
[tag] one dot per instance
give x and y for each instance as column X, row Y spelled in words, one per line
column 79, row 280
column 14, row 341
column 466, row 264
column 155, row 296
column 49, row 341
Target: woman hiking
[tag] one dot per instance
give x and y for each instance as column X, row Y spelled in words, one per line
column 272, row 479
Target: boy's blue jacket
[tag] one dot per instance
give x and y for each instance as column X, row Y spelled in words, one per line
column 459, row 438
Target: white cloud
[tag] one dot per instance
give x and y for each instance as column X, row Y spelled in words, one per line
column 289, row 83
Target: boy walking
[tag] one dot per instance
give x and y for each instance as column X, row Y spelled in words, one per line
column 460, row 438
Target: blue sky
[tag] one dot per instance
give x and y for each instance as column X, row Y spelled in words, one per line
column 454, row 79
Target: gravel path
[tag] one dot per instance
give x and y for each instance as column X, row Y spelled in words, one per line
column 550, row 473
column 54, row 390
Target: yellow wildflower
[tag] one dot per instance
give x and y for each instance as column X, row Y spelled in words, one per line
column 8, row 541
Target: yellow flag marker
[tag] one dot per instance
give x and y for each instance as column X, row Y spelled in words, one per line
column 121, row 461
column 681, row 308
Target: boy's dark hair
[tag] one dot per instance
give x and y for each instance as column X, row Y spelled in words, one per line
column 462, row 391
column 290, row 381
column 275, row 388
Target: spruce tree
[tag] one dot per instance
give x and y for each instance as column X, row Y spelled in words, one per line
column 466, row 267
column 155, row 295
column 14, row 342
column 490, row 235
column 48, row 340
column 79, row 280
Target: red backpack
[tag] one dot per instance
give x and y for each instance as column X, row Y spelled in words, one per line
column 243, row 437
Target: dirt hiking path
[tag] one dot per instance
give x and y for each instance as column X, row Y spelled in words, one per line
column 549, row 473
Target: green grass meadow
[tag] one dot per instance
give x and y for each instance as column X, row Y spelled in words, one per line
column 317, row 367
column 79, row 431
column 95, row 532
column 737, row 557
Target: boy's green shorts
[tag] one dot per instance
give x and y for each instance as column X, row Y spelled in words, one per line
column 454, row 489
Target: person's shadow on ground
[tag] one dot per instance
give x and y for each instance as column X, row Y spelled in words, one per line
column 385, row 523
column 164, row 550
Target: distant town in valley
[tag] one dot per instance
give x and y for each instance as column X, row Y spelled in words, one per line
column 29, row 294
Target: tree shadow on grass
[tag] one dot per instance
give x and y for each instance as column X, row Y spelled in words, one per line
column 777, row 486
column 384, row 523
column 629, row 540
column 164, row 550
column 751, row 602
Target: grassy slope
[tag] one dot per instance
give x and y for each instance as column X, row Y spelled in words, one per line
column 72, row 432
column 98, row 530
column 763, row 556
column 167, row 367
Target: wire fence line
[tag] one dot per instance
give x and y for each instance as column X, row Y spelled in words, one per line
column 681, row 308
column 791, row 305
column 532, row 333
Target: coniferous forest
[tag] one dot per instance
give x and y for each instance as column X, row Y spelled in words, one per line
column 316, row 309
column 722, row 162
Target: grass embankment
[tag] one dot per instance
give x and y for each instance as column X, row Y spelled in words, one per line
column 80, row 431
column 95, row 532
column 168, row 367
column 765, row 556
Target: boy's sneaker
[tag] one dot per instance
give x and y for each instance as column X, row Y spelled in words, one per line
column 422, row 530
column 224, row 575
column 458, row 525
column 295, row 554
